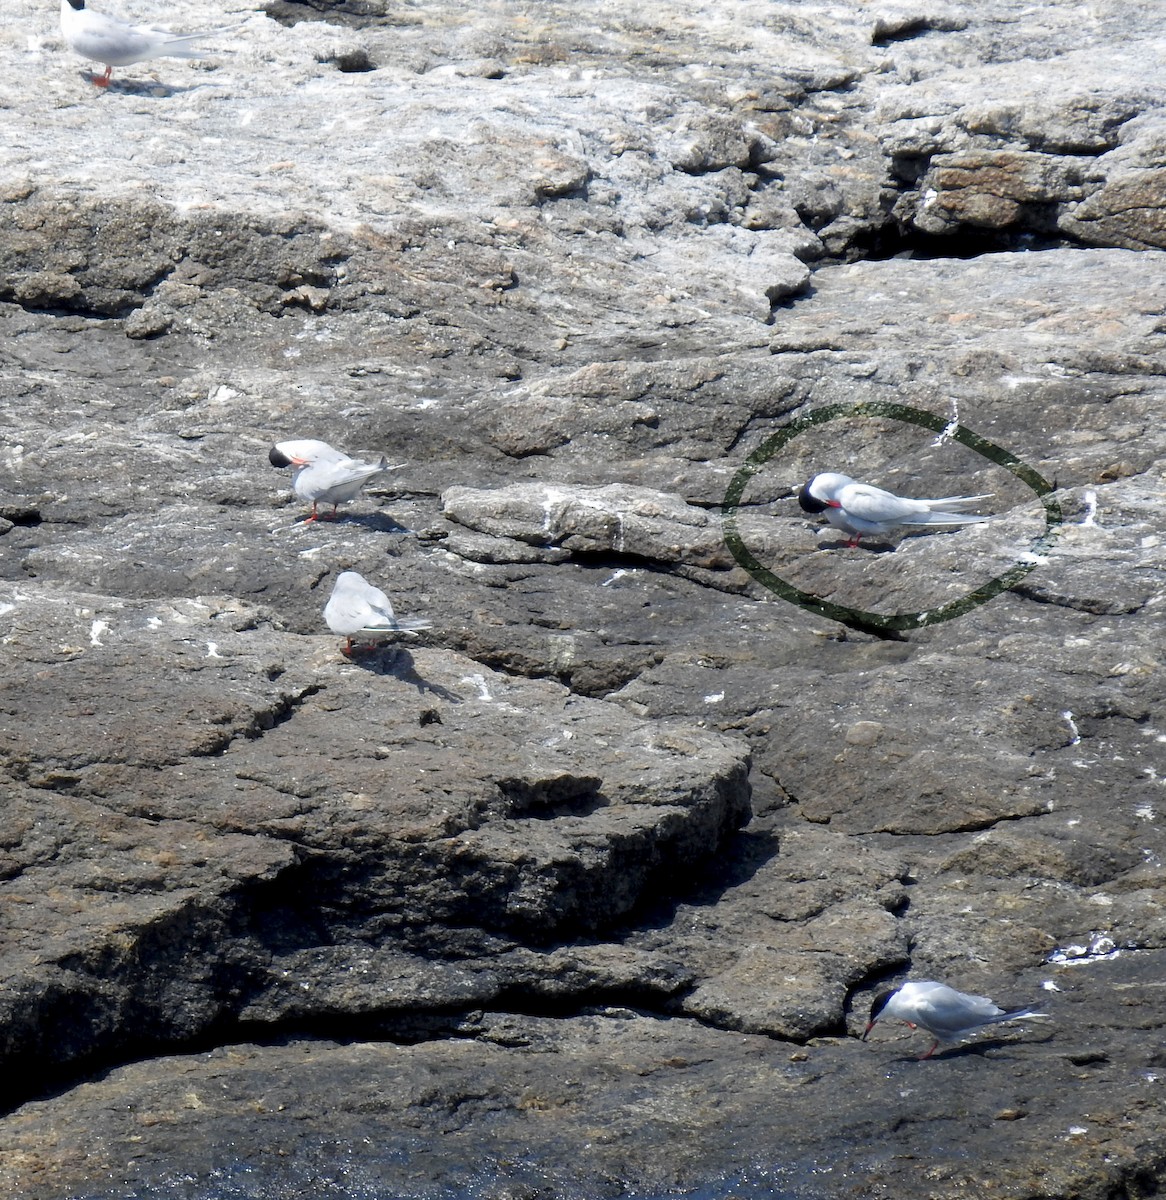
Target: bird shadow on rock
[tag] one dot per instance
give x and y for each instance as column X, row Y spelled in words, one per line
column 387, row 659
column 376, row 522
column 150, row 87
column 869, row 547
column 977, row 1049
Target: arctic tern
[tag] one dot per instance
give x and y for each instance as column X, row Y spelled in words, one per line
column 946, row 1014
column 117, row 43
column 861, row 509
column 356, row 607
column 321, row 473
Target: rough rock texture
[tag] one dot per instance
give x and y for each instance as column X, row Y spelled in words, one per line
column 485, row 910
column 531, row 1106
column 291, row 802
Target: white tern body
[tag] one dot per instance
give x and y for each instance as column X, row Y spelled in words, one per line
column 946, row 1014
column 860, row 509
column 357, row 607
column 117, row 43
column 323, row 474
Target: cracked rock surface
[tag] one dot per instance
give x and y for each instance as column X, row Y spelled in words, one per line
column 587, row 888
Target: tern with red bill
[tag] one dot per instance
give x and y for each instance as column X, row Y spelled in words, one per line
column 323, row 474
column 860, row 509
column 946, row 1014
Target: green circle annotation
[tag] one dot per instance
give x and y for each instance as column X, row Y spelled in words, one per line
column 889, row 622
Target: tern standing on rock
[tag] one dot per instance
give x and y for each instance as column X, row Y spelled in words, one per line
column 860, row 509
column 117, row 43
column 321, row 473
column 946, row 1014
column 356, row 607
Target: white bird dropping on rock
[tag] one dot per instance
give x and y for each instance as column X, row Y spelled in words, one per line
column 321, row 473
column 117, row 43
column 860, row 509
column 946, row 1014
column 356, row 607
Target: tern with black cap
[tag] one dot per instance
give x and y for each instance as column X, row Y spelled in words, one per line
column 946, row 1014
column 117, row 43
column 323, row 474
column 862, row 510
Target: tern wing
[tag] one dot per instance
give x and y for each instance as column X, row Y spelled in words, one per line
column 334, row 482
column 355, row 605
column 375, row 608
column 947, row 1012
column 105, row 39
column 869, row 503
column 956, row 501
column 345, row 472
column 412, row 624
column 943, row 518
column 1017, row 1014
column 108, row 40
column 175, row 45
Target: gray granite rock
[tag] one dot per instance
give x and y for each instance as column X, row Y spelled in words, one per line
column 706, row 1110
column 244, row 795
column 582, row 269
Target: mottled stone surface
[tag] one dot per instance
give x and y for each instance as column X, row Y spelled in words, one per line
column 485, row 910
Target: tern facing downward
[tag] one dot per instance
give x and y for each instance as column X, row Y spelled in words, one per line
column 322, row 473
column 860, row 509
column 117, row 43
column 946, row 1014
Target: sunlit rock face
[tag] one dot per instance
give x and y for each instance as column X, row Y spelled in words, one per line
column 587, row 888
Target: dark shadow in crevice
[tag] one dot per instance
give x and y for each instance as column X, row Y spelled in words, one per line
column 23, row 515
column 353, row 14
column 892, row 241
column 741, row 856
column 888, row 32
column 294, row 913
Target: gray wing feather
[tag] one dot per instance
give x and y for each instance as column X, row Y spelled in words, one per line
column 957, row 501
column 336, row 481
column 412, row 624
column 108, row 40
column 952, row 1012
column 358, row 605
column 375, row 609
column 943, row 518
column 870, row 503
column 345, row 473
